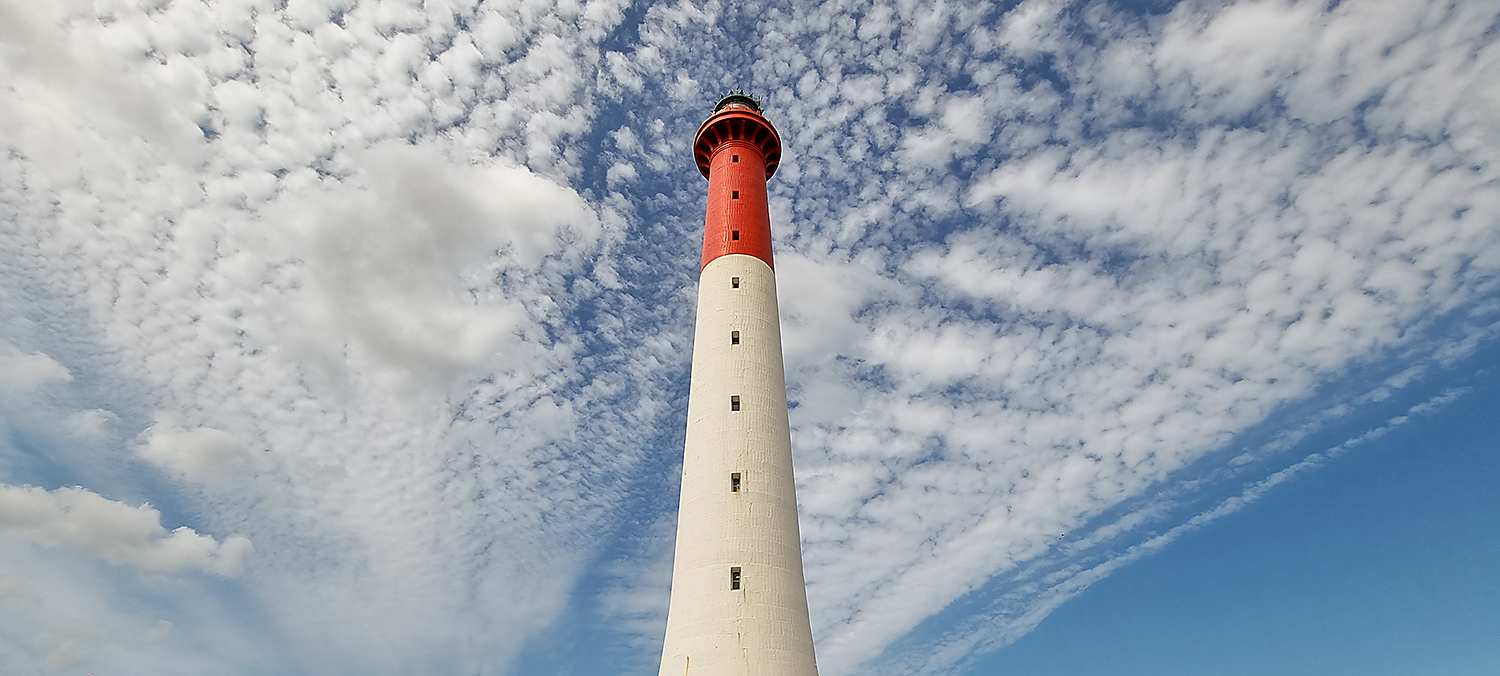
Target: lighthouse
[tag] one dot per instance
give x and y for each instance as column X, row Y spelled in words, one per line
column 739, row 601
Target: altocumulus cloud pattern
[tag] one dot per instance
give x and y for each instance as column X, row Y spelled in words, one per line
column 352, row 337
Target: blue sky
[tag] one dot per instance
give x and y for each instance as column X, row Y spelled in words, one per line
column 1381, row 564
column 353, row 337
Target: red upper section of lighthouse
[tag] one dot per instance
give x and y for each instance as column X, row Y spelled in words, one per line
column 737, row 149
column 736, row 118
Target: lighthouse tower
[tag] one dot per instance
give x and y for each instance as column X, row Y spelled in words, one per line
column 739, row 602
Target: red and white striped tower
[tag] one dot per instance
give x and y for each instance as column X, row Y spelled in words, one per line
column 739, row 602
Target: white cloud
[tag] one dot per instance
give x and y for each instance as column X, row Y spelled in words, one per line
column 334, row 247
column 388, row 258
column 24, row 373
column 91, row 424
column 204, row 455
column 63, row 610
column 1029, row 28
column 115, row 531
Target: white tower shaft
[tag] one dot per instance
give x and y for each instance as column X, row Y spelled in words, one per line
column 761, row 628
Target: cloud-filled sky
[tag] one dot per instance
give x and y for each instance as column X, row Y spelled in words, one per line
column 353, row 336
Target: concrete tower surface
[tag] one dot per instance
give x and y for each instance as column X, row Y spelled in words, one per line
column 739, row 602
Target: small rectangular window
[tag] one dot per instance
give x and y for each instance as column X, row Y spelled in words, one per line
column 734, row 282
column 734, row 337
column 734, row 578
column 734, row 158
column 735, row 235
column 734, row 194
column 734, row 482
column 734, row 403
